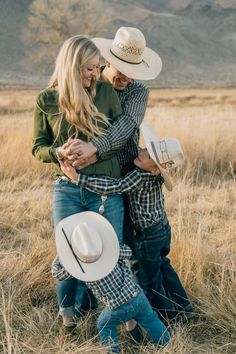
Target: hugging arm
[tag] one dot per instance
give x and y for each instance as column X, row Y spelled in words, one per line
column 133, row 110
column 131, row 182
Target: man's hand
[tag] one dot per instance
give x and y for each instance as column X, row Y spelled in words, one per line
column 86, row 150
column 79, row 153
column 82, row 163
column 83, row 149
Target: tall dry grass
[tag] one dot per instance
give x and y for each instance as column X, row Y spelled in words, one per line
column 201, row 210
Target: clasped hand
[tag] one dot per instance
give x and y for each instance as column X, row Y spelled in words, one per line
column 79, row 153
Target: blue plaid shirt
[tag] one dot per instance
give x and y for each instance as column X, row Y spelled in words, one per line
column 117, row 288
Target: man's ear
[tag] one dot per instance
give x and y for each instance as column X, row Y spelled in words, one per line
column 107, row 63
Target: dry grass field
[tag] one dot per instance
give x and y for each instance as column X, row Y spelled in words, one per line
column 201, row 210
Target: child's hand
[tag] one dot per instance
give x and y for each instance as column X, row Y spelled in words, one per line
column 167, row 164
column 69, row 170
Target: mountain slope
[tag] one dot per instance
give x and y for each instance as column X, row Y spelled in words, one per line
column 195, row 39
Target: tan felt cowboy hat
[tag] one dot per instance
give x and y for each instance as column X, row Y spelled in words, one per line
column 163, row 151
column 87, row 245
column 129, row 55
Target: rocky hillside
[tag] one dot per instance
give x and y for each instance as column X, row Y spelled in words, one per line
column 195, row 39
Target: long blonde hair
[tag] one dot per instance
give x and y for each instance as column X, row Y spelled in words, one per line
column 74, row 100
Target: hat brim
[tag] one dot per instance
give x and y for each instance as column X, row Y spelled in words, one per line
column 110, row 252
column 167, row 180
column 148, row 69
column 149, row 136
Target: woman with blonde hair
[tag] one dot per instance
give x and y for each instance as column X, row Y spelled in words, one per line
column 77, row 106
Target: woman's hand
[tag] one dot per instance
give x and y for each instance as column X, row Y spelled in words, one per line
column 63, row 150
column 69, row 170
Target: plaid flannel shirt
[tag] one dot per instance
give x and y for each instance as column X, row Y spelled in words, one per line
column 144, row 190
column 123, row 136
column 117, row 288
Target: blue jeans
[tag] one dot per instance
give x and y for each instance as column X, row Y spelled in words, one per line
column 139, row 309
column 156, row 275
column 68, row 199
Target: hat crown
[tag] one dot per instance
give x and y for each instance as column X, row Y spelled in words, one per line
column 86, row 243
column 93, row 241
column 169, row 149
column 128, row 54
column 129, row 45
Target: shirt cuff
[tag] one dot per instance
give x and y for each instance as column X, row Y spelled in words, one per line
column 102, row 144
column 53, row 154
column 81, row 180
column 59, row 155
column 125, row 252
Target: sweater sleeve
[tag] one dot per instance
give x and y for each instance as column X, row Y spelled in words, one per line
column 43, row 148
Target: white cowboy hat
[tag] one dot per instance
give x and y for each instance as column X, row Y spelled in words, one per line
column 166, row 150
column 87, row 245
column 128, row 54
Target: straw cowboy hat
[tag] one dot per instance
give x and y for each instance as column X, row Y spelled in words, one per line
column 166, row 150
column 87, row 245
column 128, row 53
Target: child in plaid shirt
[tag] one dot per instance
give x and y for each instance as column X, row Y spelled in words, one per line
column 143, row 187
column 124, row 301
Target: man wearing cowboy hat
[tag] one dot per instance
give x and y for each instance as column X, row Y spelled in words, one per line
column 143, row 187
column 127, row 59
column 84, row 242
